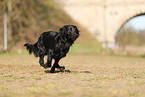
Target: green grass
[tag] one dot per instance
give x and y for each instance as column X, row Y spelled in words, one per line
column 86, row 48
column 85, row 76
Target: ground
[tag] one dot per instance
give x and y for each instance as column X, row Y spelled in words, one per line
column 86, row 75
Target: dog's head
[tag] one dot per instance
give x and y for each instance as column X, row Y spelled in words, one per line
column 70, row 32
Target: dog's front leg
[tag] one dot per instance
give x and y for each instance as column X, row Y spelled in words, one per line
column 57, row 65
column 53, row 69
column 49, row 58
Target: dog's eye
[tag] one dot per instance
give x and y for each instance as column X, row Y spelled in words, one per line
column 70, row 29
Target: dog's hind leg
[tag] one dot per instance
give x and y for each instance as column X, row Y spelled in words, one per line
column 41, row 61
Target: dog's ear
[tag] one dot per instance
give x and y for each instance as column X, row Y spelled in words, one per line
column 63, row 30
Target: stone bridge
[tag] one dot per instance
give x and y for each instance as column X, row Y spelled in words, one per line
column 103, row 18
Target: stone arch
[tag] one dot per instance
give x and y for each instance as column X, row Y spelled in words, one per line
column 123, row 23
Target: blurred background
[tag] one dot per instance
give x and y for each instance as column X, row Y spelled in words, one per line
column 106, row 26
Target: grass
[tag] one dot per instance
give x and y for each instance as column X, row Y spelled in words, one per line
column 86, row 75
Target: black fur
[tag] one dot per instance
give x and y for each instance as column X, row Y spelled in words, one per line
column 55, row 45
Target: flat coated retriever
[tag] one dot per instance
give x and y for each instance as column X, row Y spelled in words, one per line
column 55, row 45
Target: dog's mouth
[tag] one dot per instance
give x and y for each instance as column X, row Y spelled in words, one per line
column 74, row 37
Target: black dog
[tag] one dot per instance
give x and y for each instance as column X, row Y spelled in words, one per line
column 55, row 45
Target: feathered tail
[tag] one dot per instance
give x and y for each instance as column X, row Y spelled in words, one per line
column 32, row 48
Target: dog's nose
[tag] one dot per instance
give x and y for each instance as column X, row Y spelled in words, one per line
column 75, row 36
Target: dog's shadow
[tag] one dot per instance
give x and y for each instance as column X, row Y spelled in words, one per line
column 68, row 71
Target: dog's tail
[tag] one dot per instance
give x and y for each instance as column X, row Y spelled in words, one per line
column 32, row 49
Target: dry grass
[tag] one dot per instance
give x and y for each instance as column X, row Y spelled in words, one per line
column 85, row 76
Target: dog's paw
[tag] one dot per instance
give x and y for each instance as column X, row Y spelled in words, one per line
column 61, row 68
column 51, row 71
column 47, row 66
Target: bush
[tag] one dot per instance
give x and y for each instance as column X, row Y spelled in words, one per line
column 128, row 36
